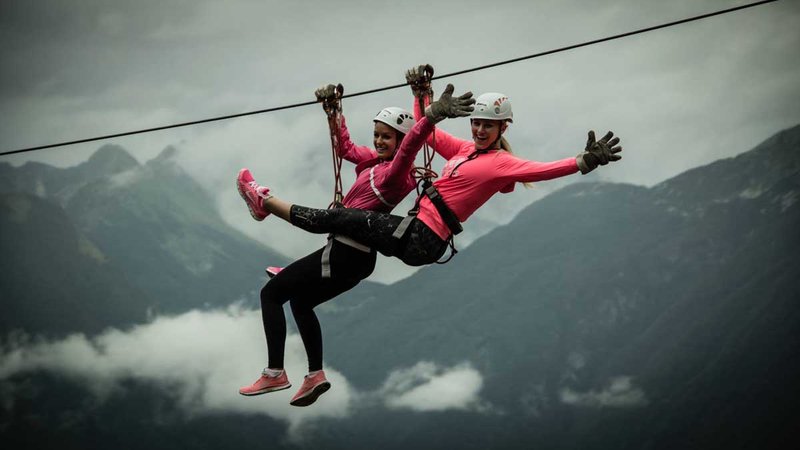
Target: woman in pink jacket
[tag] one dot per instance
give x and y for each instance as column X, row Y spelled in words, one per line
column 383, row 180
column 475, row 170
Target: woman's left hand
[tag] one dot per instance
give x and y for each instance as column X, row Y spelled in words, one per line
column 599, row 152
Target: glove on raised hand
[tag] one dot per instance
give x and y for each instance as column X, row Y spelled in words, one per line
column 419, row 79
column 598, row 153
column 325, row 92
column 449, row 107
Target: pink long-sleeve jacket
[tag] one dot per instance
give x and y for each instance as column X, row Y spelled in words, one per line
column 467, row 188
column 380, row 185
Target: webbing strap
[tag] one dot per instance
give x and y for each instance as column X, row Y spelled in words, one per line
column 326, row 259
column 401, row 229
column 447, row 214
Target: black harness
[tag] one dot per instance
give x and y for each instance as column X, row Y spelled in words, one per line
column 447, row 214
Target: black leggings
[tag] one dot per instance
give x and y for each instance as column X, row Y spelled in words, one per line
column 418, row 247
column 301, row 283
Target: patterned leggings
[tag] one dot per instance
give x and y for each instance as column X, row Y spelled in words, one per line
column 418, row 247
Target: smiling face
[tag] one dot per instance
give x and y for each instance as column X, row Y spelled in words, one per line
column 384, row 138
column 486, row 132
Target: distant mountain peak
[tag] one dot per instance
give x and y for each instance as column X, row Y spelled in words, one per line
column 165, row 160
column 168, row 152
column 746, row 176
column 111, row 159
column 782, row 146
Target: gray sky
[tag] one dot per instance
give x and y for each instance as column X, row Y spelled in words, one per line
column 679, row 97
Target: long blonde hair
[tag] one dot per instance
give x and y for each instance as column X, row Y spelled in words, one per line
column 505, row 145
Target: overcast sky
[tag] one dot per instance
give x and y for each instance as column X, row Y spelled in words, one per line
column 679, row 97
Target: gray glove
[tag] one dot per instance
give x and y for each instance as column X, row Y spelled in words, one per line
column 419, row 78
column 599, row 153
column 325, row 92
column 448, row 107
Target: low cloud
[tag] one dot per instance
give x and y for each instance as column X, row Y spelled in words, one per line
column 203, row 357
column 428, row 387
column 621, row 393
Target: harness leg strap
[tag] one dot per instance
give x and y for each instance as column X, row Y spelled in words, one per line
column 326, row 258
column 400, row 231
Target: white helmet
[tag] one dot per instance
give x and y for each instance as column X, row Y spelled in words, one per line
column 397, row 118
column 492, row 106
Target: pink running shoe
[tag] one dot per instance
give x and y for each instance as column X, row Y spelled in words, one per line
column 267, row 384
column 272, row 271
column 313, row 386
column 253, row 194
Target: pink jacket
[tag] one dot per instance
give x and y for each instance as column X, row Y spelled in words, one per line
column 476, row 181
column 380, row 185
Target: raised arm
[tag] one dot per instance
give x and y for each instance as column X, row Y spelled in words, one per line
column 403, row 160
column 347, row 148
column 446, row 145
column 447, row 106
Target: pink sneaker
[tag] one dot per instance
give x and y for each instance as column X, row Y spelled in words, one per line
column 253, row 194
column 267, row 384
column 313, row 386
column 272, row 271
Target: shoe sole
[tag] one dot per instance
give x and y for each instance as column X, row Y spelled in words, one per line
column 267, row 390
column 312, row 396
column 247, row 201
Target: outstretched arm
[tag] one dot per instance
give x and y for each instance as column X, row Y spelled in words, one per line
column 514, row 169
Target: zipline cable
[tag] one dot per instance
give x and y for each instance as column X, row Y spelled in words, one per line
column 396, row 86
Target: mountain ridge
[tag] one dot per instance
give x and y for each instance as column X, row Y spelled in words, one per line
column 605, row 315
column 152, row 221
column 652, row 285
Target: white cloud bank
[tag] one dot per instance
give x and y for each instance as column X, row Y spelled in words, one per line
column 620, row 393
column 203, row 357
column 428, row 387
